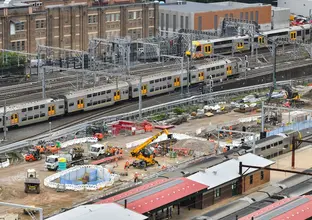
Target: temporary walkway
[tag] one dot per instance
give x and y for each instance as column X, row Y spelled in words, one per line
column 157, row 194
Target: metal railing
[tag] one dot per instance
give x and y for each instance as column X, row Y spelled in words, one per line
column 212, row 97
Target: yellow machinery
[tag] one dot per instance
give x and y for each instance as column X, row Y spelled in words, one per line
column 145, row 157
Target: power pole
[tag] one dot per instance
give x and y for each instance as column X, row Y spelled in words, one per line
column 43, row 84
column 274, row 64
column 140, row 98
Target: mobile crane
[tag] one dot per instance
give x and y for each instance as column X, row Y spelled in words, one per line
column 144, row 156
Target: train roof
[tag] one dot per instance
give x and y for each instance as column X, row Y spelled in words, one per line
column 218, row 39
column 156, row 76
column 18, row 106
column 80, row 93
column 294, row 28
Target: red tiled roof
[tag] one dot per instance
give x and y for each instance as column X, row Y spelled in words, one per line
column 155, row 195
column 298, row 211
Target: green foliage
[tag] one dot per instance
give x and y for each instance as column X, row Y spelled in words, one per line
column 159, row 117
column 11, row 59
column 178, row 111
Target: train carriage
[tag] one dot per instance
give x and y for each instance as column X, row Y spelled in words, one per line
column 32, row 112
column 99, row 97
column 157, row 84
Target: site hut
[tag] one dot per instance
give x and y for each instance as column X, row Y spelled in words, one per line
column 175, row 15
column 225, row 182
column 161, row 198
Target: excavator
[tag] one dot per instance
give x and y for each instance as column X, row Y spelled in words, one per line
column 144, row 156
column 293, row 98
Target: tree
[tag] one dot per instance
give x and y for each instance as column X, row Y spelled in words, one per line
column 11, row 59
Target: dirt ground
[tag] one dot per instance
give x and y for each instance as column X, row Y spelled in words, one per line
column 12, row 177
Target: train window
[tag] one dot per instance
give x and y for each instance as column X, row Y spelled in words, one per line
column 108, row 91
column 268, row 147
column 42, row 115
column 275, row 144
column 281, row 152
column 99, row 93
column 94, row 103
column 78, row 102
column 275, row 154
column 99, row 102
column 198, row 49
column 240, row 65
column 280, row 142
column 42, row 106
column 152, row 90
column 24, row 119
column 103, row 101
column 103, row 93
column 30, row 117
column 298, row 33
column 307, row 32
column 152, row 82
column 164, row 87
column 193, row 77
column 262, row 148
column 36, row 116
column 169, row 86
column 222, row 74
column 157, row 80
column 157, row 88
column 61, row 106
column 213, row 68
column 109, row 99
column 126, row 92
column 285, row 146
column 164, row 79
column 71, row 104
column 184, row 78
column 30, row 109
column 169, row 77
column 36, row 107
column 24, row 110
column 89, row 104
column 222, row 66
column 213, row 75
column 135, row 90
column 89, row 95
column 208, row 69
column 94, row 94
column 217, row 67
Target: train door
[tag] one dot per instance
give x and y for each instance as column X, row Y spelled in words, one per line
column 260, row 40
column 177, row 81
column 117, row 95
column 144, row 89
column 80, row 104
column 293, row 35
column 201, row 76
column 207, row 49
column 229, row 70
column 240, row 45
column 14, row 119
column 51, row 110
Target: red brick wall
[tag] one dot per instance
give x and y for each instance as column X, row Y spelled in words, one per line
column 256, row 180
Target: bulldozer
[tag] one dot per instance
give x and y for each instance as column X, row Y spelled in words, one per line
column 33, row 155
column 32, row 183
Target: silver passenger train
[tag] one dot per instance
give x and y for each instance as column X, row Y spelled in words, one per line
column 99, row 97
column 205, row 48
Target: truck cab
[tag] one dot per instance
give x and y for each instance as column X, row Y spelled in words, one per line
column 97, row 150
column 51, row 162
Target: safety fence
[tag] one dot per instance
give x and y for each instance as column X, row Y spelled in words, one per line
column 5, row 163
column 211, row 97
column 292, row 127
column 69, row 179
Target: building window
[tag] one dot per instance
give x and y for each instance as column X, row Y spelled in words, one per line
column 167, row 22
column 150, row 33
column 108, row 17
column 246, row 16
column 151, row 13
column 226, row 15
column 181, row 22
column 40, row 24
column 92, row 19
column 241, row 15
column 186, row 22
column 117, row 17
column 20, row 26
column 231, row 15
column 262, row 175
column 162, row 21
column 251, row 16
column 130, row 15
column 251, row 179
column 200, row 23
column 217, row 193
column 216, row 22
column 174, row 22
column 257, row 17
column 18, row 45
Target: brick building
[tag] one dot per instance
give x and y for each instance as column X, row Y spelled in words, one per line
column 224, row 180
column 71, row 25
column 176, row 15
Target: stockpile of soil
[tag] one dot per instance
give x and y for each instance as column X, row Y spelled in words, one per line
column 205, row 147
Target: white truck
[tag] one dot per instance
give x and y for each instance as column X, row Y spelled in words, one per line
column 98, row 150
column 74, row 157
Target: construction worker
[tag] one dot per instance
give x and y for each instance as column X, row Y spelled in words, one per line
column 127, row 164
column 136, row 177
column 120, row 151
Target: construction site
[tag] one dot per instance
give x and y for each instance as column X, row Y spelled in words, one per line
column 106, row 158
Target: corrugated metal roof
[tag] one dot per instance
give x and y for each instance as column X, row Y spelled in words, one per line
column 289, row 208
column 157, row 194
column 98, row 212
column 227, row 171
